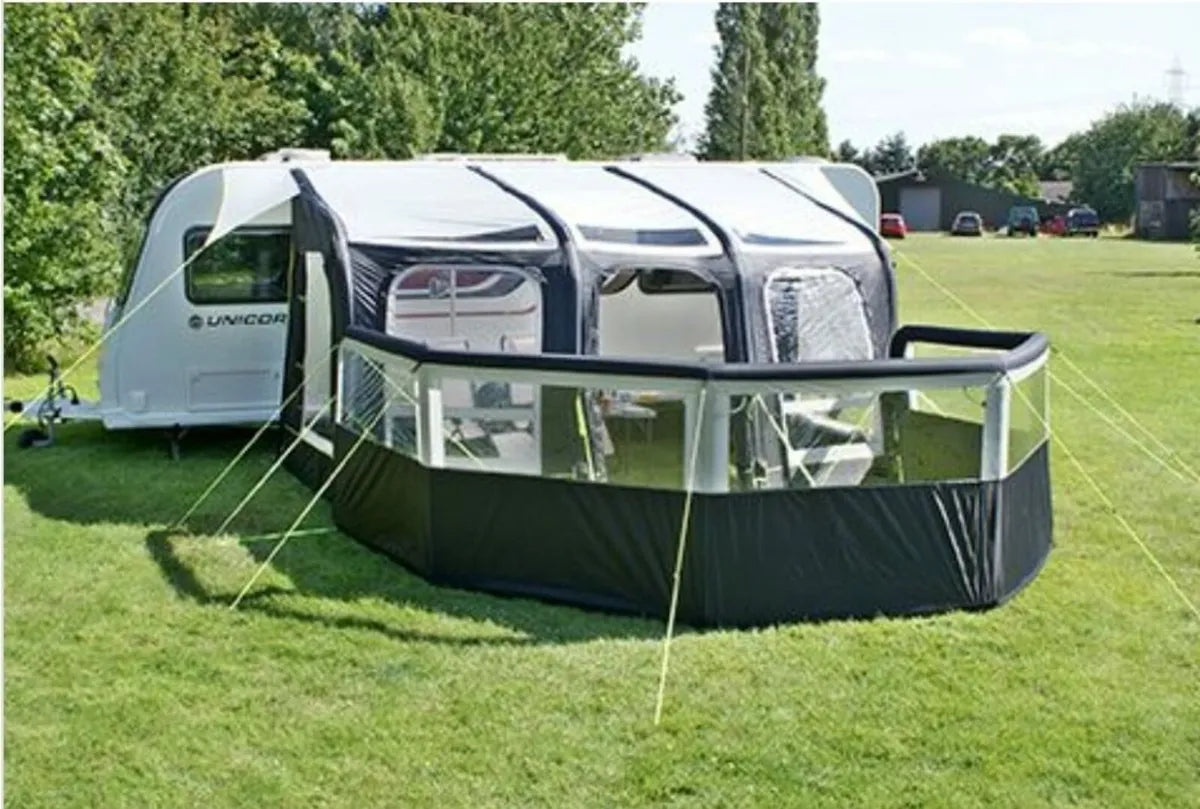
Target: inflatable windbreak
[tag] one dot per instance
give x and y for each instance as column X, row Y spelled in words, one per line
column 538, row 378
column 537, row 364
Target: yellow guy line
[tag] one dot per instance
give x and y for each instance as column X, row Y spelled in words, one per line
column 1104, row 498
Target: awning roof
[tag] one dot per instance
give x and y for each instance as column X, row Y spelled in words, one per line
column 607, row 211
column 448, row 202
column 424, row 201
column 756, row 209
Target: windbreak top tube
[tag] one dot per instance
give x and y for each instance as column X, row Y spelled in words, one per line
column 1019, row 349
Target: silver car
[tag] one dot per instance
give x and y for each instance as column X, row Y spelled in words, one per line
column 967, row 223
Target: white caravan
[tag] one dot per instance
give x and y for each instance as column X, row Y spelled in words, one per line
column 197, row 332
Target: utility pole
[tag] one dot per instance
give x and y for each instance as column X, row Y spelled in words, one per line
column 1176, row 81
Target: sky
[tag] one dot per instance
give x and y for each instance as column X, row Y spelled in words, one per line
column 938, row 70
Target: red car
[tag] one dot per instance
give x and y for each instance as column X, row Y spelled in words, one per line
column 892, row 225
column 1054, row 226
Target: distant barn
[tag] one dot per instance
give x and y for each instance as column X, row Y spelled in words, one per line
column 930, row 202
column 1165, row 197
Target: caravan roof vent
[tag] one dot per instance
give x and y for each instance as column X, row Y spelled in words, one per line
column 661, row 157
column 290, row 155
column 465, row 157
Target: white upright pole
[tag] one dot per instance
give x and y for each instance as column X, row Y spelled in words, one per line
column 997, row 411
column 683, row 532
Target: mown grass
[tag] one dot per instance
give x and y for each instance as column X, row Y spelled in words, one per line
column 345, row 681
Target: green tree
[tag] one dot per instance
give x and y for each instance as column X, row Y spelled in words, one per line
column 546, row 78
column 965, row 158
column 765, row 101
column 359, row 74
column 179, row 87
column 891, row 155
column 1196, row 211
column 1061, row 161
column 1112, row 146
column 60, row 182
column 105, row 104
column 846, row 153
column 1013, row 162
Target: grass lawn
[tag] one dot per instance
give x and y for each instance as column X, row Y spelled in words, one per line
column 344, row 681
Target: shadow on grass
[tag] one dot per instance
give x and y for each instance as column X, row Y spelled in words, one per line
column 95, row 477
column 263, row 600
column 92, row 476
column 336, row 568
column 1155, row 274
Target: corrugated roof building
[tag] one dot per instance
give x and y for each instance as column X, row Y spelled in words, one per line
column 1166, row 196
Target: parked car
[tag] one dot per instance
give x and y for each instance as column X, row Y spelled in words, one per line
column 1022, row 219
column 892, row 225
column 967, row 223
column 1082, row 222
column 1055, row 225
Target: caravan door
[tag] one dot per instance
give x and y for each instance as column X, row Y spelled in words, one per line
column 237, row 295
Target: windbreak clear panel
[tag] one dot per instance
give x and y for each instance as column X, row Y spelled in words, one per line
column 813, row 440
column 588, row 434
column 817, row 314
column 379, row 398
column 1027, row 427
column 607, row 429
column 849, row 437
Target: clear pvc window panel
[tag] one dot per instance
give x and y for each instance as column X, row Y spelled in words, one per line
column 598, row 428
column 467, row 308
column 379, row 398
column 817, row 314
column 1027, row 426
column 803, row 439
column 586, row 434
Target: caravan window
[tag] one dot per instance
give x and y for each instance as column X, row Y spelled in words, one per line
column 467, row 308
column 244, row 266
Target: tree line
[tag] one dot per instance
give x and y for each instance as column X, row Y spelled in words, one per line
column 105, row 104
column 1098, row 161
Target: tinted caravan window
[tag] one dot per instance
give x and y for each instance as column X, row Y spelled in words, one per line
column 244, row 266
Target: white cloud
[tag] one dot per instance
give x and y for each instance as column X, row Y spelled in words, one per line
column 707, row 38
column 935, row 59
column 1079, row 48
column 853, row 55
column 1128, row 49
column 1004, row 38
